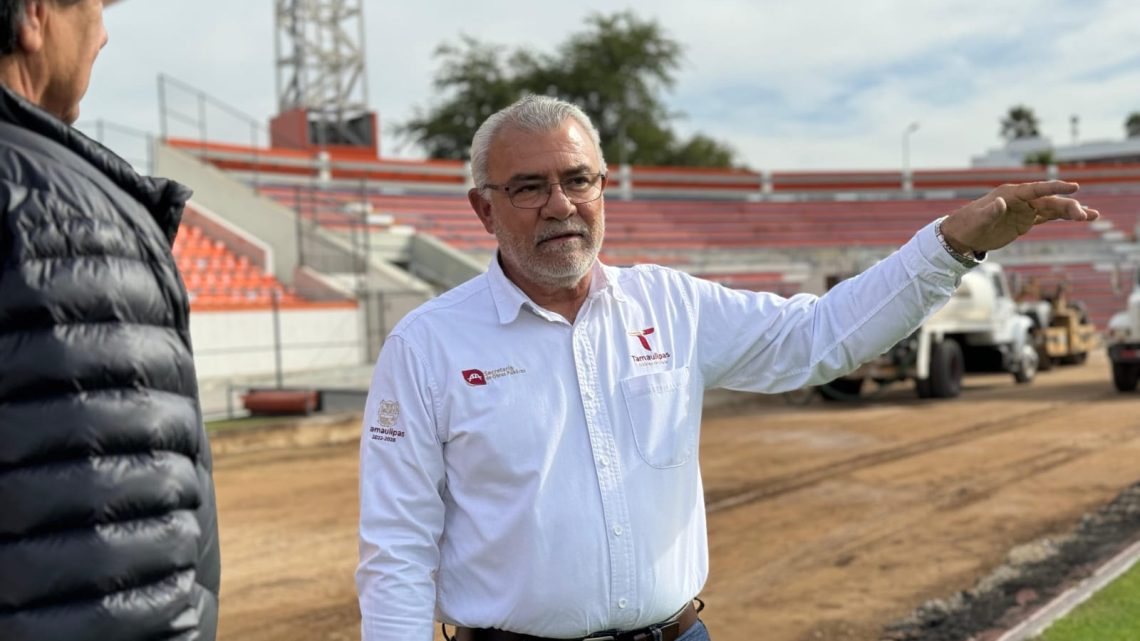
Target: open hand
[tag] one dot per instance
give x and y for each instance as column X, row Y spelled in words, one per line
column 998, row 218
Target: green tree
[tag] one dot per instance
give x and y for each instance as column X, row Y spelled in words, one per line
column 1044, row 158
column 616, row 70
column 700, row 151
column 1020, row 122
column 1132, row 125
column 479, row 81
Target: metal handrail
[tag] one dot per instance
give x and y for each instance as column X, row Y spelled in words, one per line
column 98, row 129
column 204, row 100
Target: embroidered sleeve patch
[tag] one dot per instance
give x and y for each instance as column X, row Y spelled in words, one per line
column 386, row 418
column 388, row 413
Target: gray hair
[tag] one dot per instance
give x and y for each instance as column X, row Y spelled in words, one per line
column 531, row 113
column 12, row 14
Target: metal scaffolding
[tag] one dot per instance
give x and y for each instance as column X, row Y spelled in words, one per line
column 320, row 65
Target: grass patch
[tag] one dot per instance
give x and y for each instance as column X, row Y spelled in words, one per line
column 1112, row 614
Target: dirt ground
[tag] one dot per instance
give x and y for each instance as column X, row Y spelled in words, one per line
column 826, row 521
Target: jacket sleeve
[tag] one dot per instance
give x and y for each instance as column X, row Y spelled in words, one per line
column 98, row 481
column 402, row 481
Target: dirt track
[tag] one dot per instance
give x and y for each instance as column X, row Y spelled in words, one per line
column 825, row 521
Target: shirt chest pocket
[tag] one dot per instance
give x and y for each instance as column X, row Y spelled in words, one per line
column 659, row 413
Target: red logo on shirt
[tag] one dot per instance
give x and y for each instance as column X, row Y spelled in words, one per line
column 641, row 336
column 474, row 377
column 477, row 377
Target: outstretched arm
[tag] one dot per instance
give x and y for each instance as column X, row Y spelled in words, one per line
column 780, row 344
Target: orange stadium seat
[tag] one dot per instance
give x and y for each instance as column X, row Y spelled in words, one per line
column 217, row 279
column 675, row 232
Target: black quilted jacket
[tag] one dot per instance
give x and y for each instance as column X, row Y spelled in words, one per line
column 108, row 528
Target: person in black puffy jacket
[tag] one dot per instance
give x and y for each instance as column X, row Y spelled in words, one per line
column 108, row 526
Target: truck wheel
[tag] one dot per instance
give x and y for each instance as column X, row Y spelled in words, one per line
column 1125, row 375
column 946, row 368
column 1027, row 365
column 841, row 389
column 1075, row 359
column 1044, row 361
column 922, row 387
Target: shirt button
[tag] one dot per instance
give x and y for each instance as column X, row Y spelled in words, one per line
column 622, row 603
column 618, row 530
column 604, row 461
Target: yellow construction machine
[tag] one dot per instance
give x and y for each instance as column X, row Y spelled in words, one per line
column 1062, row 332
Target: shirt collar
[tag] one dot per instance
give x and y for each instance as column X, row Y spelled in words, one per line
column 509, row 299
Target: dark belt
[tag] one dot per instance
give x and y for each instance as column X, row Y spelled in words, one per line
column 668, row 631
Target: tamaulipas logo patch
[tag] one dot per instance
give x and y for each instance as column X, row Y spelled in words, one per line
column 652, row 358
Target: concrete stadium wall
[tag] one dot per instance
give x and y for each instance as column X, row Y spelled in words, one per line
column 241, row 343
column 440, row 263
column 313, row 285
column 243, row 208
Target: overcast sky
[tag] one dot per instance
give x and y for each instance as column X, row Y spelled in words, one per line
column 812, row 84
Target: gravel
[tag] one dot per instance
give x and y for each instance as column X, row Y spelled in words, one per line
column 1031, row 576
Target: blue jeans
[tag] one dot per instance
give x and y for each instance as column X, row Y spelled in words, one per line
column 696, row 633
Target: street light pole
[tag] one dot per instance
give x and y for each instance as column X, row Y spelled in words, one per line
column 907, row 179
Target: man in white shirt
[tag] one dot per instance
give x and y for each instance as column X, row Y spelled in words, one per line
column 529, row 454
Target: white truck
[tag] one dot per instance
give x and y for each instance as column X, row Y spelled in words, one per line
column 1124, row 342
column 979, row 330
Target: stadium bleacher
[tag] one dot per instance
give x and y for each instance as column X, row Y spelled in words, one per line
column 671, row 223
column 216, row 279
column 680, row 231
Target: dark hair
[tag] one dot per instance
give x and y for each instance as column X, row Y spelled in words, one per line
column 10, row 11
column 11, row 14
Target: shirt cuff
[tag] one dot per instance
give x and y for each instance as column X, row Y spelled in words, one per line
column 386, row 628
column 926, row 258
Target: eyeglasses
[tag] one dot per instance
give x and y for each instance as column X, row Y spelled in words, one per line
column 534, row 194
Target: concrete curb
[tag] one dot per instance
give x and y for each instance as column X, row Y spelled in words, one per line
column 1071, row 598
column 290, row 433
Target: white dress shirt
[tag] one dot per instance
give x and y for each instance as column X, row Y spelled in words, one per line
column 521, row 472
